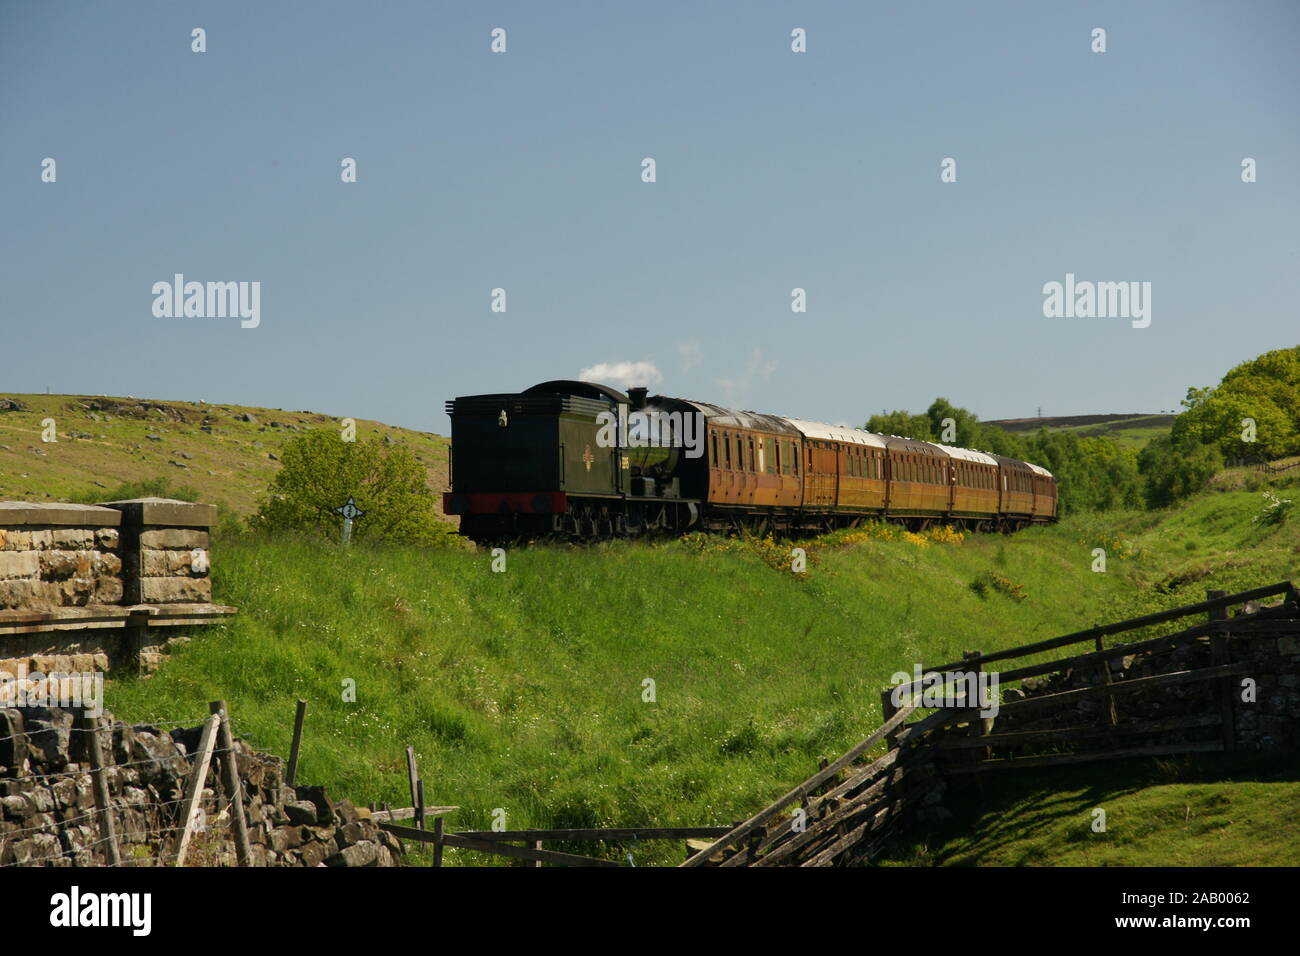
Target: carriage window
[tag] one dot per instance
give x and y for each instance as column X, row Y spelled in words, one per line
column 726, row 448
column 715, row 449
column 749, row 458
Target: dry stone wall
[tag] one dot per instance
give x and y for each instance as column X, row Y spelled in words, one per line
column 1265, row 713
column 48, row 816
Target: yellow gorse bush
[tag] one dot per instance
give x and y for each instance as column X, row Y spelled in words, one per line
column 780, row 554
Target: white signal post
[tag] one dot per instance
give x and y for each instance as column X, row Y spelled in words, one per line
column 349, row 511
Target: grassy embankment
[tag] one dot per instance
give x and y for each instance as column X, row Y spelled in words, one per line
column 523, row 690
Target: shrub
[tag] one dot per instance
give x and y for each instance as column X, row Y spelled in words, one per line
column 1172, row 473
column 147, row 488
column 320, row 471
column 1275, row 510
column 988, row 583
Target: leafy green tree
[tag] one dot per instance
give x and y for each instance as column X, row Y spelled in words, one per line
column 903, row 424
column 1172, row 473
column 1092, row 474
column 320, row 471
column 1264, row 392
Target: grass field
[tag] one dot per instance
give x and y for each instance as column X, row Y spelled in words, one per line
column 523, row 690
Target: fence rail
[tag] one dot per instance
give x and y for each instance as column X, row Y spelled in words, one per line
column 1256, row 464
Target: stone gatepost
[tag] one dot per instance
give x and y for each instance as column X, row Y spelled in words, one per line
column 164, row 548
column 55, row 555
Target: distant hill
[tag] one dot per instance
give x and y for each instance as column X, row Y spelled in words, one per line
column 1133, row 428
column 227, row 453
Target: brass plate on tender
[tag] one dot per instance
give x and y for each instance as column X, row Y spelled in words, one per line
column 626, row 462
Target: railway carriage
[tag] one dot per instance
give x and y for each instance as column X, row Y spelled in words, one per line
column 974, row 482
column 586, row 461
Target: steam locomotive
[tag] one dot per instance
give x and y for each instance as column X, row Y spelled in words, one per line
column 582, row 460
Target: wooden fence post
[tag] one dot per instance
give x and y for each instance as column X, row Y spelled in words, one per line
column 887, row 710
column 99, row 780
column 243, row 850
column 298, row 718
column 412, row 777
column 419, row 804
column 979, row 724
column 1110, row 716
column 1221, row 653
column 437, row 840
column 194, row 786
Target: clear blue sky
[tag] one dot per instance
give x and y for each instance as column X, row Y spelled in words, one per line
column 775, row 170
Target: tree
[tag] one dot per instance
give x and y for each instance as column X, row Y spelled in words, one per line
column 1092, row 474
column 1253, row 413
column 1171, row 472
column 903, row 424
column 320, row 471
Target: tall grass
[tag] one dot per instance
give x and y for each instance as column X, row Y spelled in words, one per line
column 526, row 690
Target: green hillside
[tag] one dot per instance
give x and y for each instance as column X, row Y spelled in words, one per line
column 1131, row 430
column 225, row 453
column 523, row 690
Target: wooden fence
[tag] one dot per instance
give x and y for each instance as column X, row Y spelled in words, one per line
column 846, row 811
column 1266, row 467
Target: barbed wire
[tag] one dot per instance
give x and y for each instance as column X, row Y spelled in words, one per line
column 159, row 828
column 117, row 766
column 194, row 723
column 151, row 833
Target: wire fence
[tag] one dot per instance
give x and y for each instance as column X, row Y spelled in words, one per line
column 141, row 809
